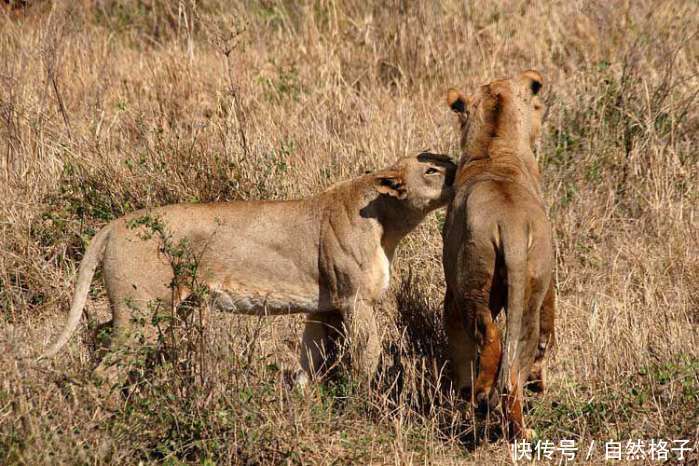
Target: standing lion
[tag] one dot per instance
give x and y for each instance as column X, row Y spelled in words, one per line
column 498, row 248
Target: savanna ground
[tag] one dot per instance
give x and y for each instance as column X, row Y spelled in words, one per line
column 112, row 105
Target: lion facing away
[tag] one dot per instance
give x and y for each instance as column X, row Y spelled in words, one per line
column 498, row 248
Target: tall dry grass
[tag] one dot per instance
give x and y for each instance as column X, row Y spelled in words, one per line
column 112, row 105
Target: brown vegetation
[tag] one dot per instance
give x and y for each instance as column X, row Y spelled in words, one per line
column 113, row 105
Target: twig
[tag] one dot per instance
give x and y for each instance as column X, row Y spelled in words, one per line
column 61, row 106
column 226, row 39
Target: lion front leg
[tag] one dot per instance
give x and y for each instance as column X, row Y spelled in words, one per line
column 363, row 339
column 319, row 345
column 462, row 346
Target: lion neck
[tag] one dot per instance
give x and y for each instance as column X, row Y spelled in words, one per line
column 397, row 220
column 391, row 216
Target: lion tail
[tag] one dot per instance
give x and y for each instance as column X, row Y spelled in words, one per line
column 93, row 257
column 515, row 245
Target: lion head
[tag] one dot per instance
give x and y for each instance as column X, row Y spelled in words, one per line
column 503, row 116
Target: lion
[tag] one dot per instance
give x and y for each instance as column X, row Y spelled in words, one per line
column 328, row 256
column 498, row 249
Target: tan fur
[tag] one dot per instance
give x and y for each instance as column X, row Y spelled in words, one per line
column 327, row 256
column 498, row 247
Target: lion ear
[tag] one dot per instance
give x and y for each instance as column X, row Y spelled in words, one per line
column 534, row 80
column 390, row 183
column 456, row 100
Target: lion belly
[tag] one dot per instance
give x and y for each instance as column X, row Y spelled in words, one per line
column 255, row 301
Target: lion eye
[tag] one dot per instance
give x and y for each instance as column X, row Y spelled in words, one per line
column 431, row 171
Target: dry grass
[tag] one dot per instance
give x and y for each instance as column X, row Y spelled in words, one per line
column 113, row 105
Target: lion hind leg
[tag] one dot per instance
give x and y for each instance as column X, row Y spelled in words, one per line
column 536, row 382
column 489, row 358
column 127, row 349
column 514, row 413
